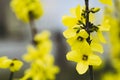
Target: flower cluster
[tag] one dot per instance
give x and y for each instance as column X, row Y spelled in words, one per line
column 84, row 40
column 41, row 61
column 14, row 65
column 23, row 8
column 115, row 46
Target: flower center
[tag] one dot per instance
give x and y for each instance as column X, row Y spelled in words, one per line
column 80, row 38
column 12, row 64
column 85, row 57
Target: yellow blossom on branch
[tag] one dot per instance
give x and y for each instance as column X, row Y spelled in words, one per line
column 23, row 9
column 84, row 57
column 14, row 65
column 84, row 37
column 43, row 47
column 42, row 62
column 42, row 69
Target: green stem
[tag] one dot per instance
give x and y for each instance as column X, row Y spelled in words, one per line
column 11, row 75
column 32, row 27
column 88, row 39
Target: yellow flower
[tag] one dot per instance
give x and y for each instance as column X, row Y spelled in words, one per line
column 42, row 48
column 42, row 69
column 15, row 65
column 73, row 20
column 76, row 18
column 33, row 54
column 83, row 57
column 108, row 2
column 42, row 37
column 79, row 40
column 44, row 44
column 23, row 8
column 42, row 62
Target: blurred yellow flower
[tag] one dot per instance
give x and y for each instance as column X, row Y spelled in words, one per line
column 105, row 26
column 23, row 9
column 108, row 2
column 42, row 62
column 96, row 46
column 42, row 69
column 42, row 48
column 111, row 76
column 14, row 65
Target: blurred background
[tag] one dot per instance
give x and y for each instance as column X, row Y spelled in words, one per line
column 15, row 36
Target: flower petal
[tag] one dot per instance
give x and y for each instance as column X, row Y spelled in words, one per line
column 96, row 47
column 81, row 68
column 69, row 21
column 78, row 12
column 69, row 33
column 73, row 56
column 94, row 60
column 83, row 33
column 72, row 11
column 101, row 37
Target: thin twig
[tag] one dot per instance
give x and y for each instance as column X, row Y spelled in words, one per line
column 32, row 27
column 91, row 72
column 11, row 75
column 88, row 39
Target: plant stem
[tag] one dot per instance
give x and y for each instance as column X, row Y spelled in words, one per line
column 87, row 15
column 91, row 72
column 88, row 39
column 11, row 75
column 32, row 27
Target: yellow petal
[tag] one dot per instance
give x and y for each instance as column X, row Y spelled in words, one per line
column 78, row 12
column 69, row 21
column 82, row 46
column 83, row 33
column 94, row 60
column 73, row 56
column 31, row 54
column 96, row 47
column 69, row 33
column 42, row 36
column 105, row 24
column 108, row 2
column 72, row 11
column 81, row 68
column 4, row 62
column 101, row 37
